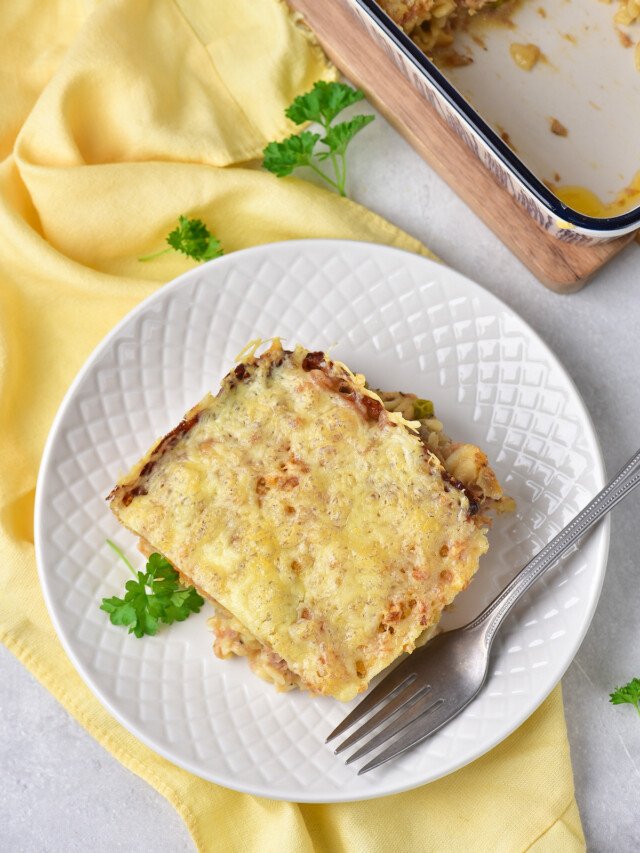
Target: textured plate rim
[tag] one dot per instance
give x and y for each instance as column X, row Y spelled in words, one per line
column 602, row 532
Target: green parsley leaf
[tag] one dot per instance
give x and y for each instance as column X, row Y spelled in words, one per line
column 193, row 239
column 323, row 103
column 629, row 693
column 154, row 597
column 121, row 612
column 340, row 135
column 282, row 158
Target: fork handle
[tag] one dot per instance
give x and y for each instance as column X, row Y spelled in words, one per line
column 618, row 488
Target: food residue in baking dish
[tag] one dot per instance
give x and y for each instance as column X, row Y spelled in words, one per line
column 624, row 38
column 557, row 127
column 525, row 56
column 528, row 118
column 432, row 24
column 504, row 136
column 586, row 201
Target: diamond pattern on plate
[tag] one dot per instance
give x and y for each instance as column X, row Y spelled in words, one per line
column 407, row 323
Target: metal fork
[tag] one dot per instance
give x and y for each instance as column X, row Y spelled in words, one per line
column 435, row 683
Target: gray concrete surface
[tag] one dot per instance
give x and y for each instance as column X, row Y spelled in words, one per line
column 59, row 791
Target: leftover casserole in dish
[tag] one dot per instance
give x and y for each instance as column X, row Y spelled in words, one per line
column 433, row 23
column 546, row 100
column 328, row 524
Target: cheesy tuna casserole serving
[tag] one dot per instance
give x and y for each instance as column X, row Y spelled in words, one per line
column 328, row 524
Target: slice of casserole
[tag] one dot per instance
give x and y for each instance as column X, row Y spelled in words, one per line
column 328, row 534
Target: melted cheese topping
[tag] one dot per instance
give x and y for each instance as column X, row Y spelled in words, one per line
column 322, row 526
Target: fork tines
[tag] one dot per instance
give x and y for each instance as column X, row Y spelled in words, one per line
column 406, row 702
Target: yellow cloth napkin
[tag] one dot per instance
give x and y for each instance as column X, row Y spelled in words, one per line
column 115, row 118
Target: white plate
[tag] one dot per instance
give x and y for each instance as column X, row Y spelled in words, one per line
column 408, row 323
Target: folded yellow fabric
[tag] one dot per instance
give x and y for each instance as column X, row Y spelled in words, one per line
column 115, row 118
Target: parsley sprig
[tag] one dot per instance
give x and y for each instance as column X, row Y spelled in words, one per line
column 193, row 239
column 321, row 105
column 154, row 597
column 629, row 693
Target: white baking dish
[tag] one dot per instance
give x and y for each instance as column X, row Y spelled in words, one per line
column 587, row 81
